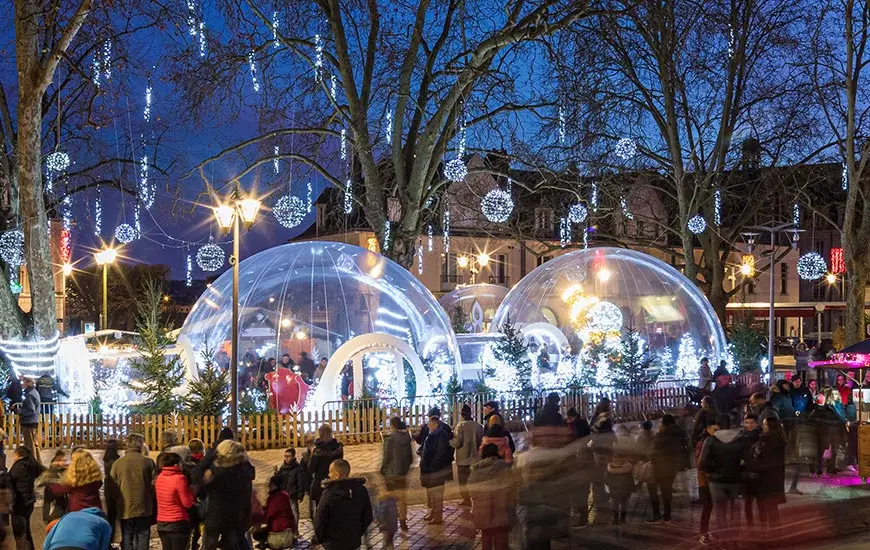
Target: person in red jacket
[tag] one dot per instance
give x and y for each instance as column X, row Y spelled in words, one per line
column 278, row 524
column 174, row 497
column 80, row 482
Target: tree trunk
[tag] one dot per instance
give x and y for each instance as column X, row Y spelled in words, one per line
column 719, row 300
column 855, row 295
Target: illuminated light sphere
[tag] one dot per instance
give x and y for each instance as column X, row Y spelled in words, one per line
column 697, row 224
column 210, row 257
column 497, row 206
column 811, row 266
column 455, row 170
column 604, row 317
column 577, row 213
column 125, row 233
column 57, row 161
column 626, row 148
column 12, row 247
column 290, row 211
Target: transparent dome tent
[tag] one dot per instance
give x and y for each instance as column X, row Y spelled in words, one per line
column 478, row 302
column 334, row 301
column 587, row 298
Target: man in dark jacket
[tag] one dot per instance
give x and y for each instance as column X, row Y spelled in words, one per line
column 436, row 467
column 397, row 460
column 293, row 479
column 668, row 454
column 23, row 474
column 801, row 396
column 326, row 450
column 721, row 461
column 134, row 475
column 549, row 415
column 344, row 512
column 749, row 435
column 29, row 417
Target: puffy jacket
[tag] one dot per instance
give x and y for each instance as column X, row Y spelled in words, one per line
column 84, row 530
column 343, row 514
column 134, row 475
column 174, row 496
column 466, row 440
column 29, row 411
column 768, row 462
column 504, row 448
column 619, row 478
column 549, row 415
column 398, row 455
column 784, row 407
column 228, row 502
column 318, row 466
column 721, row 457
column 79, row 498
column 801, row 399
column 669, row 450
column 493, row 494
column 436, row 462
column 294, row 480
column 279, row 514
column 23, row 474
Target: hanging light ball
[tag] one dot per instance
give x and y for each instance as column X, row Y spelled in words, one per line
column 626, row 148
column 812, row 266
column 125, row 233
column 290, row 211
column 57, row 161
column 697, row 224
column 455, row 170
column 604, row 317
column 577, row 213
column 12, row 247
column 210, row 257
column 497, row 206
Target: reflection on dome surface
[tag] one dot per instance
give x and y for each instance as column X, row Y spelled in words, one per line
column 478, row 302
column 314, row 300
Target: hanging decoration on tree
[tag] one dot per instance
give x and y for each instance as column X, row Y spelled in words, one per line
column 202, row 39
column 343, row 148
column 562, row 130
column 388, row 127
column 137, row 224
column 430, row 235
column 12, row 247
column 626, row 148
column 308, row 203
column 419, row 257
column 717, row 208
column 188, row 276
column 844, row 177
column 107, row 59
column 66, row 213
column 585, row 238
column 210, row 257
column 125, row 233
column 811, row 266
column 564, row 232
column 333, row 87
column 697, row 224
column 318, row 58
column 445, row 223
column 732, row 42
column 98, row 213
column 276, row 164
column 593, row 197
column 252, row 67
column 275, row 24
column 102, row 63
column 455, row 170
column 146, row 192
column 577, row 213
column 623, row 205
column 57, row 162
column 796, row 215
column 348, row 196
column 386, row 244
column 191, row 17
column 289, row 211
column 497, row 205
column 146, row 112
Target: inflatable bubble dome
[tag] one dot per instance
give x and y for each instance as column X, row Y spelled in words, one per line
column 595, row 295
column 381, row 332
column 478, row 302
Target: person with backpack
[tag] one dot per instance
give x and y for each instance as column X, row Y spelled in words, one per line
column 467, row 437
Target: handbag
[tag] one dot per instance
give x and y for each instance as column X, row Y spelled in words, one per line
column 643, row 472
column 828, row 454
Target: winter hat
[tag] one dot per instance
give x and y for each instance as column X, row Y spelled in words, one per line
column 435, row 411
column 466, row 410
column 225, row 434
column 230, row 453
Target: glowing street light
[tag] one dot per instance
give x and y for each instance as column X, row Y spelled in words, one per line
column 67, row 269
column 831, row 278
column 483, row 259
column 462, row 261
column 104, row 259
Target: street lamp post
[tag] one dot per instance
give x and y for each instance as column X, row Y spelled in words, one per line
column 105, row 258
column 228, row 216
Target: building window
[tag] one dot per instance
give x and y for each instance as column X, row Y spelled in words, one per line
column 500, row 269
column 543, row 259
column 783, row 278
column 544, row 219
column 449, row 270
column 750, row 286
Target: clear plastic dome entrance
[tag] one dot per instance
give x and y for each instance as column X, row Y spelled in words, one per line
column 313, row 300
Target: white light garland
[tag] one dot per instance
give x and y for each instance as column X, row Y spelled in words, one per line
column 497, row 205
column 386, row 246
column 125, row 233
column 276, row 165
column 289, row 211
column 191, row 17
column 697, row 224
column 562, row 132
column 308, row 201
column 318, row 58
column 66, row 212
column 12, row 247
column 564, row 232
column 623, row 205
column 146, row 112
column 29, row 357
column 97, row 69
column 348, row 196
column 137, row 224
column 333, row 86
column 275, row 25
column 796, row 215
column 811, row 266
column 446, row 227
column 343, row 148
column 626, row 148
column 107, row 59
column 430, row 234
column 202, row 39
column 98, row 213
column 252, row 66
column 732, row 42
column 57, row 161
column 455, row 170
column 593, row 197
column 210, row 257
column 717, row 207
column 419, row 258
column 188, row 276
column 146, row 193
column 388, row 127
column 844, row 177
column 577, row 213
column 586, row 238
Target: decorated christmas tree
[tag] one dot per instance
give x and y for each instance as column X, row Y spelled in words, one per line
column 513, row 352
column 208, row 394
column 633, row 362
column 459, row 320
column 158, row 375
column 687, row 359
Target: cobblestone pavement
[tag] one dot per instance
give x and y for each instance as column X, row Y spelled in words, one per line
column 833, row 512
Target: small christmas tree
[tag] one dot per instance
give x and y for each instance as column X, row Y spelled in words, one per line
column 252, row 401
column 633, row 362
column 513, row 352
column 459, row 320
column 159, row 375
column 687, row 359
column 209, row 394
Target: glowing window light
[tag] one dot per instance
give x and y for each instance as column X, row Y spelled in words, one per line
column 747, row 265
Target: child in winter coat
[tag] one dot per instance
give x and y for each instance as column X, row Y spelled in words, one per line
column 385, row 509
column 496, row 435
column 620, row 484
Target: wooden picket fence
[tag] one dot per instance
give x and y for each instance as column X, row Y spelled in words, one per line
column 352, row 422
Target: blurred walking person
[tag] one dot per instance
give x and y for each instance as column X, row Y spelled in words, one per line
column 326, row 450
column 344, row 512
column 436, row 467
column 467, row 437
column 493, row 497
column 395, row 465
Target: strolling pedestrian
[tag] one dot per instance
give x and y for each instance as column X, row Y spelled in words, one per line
column 620, row 485
column 23, row 474
column 721, row 459
column 81, row 482
column 704, row 537
column 174, row 499
column 602, row 443
column 326, row 450
column 53, row 506
column 345, row 511
column 395, row 465
column 668, row 455
column 110, row 488
column 436, row 467
column 467, row 438
column 134, row 474
column 493, row 497
column 768, row 462
column 227, row 489
column 28, row 417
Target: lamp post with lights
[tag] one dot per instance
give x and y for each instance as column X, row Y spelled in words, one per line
column 105, row 258
column 228, row 215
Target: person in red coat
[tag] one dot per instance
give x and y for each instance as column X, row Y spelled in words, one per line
column 174, row 497
column 80, row 482
column 278, row 524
